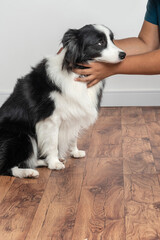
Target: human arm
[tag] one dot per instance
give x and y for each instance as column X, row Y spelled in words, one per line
column 147, row 40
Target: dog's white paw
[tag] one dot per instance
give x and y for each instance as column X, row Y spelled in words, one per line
column 31, row 173
column 78, row 154
column 57, row 165
column 24, row 173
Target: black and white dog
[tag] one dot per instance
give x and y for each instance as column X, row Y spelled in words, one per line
column 48, row 108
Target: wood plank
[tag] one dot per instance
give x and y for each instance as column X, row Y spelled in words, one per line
column 97, row 215
column 90, row 220
column 111, row 134
column 149, row 114
column 142, row 188
column 134, row 130
column 159, row 184
column 154, row 133
column 5, row 184
column 18, row 209
column 115, row 229
column 139, row 163
column 105, row 150
column 137, row 150
column 56, row 214
column 108, row 117
column 19, row 206
column 156, row 155
column 142, row 221
column 142, row 196
column 132, row 115
column 109, row 111
column 101, row 210
column 132, row 146
column 101, row 170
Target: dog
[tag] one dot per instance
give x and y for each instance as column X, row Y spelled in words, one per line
column 48, row 108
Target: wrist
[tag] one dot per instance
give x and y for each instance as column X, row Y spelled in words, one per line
column 115, row 69
column 126, row 66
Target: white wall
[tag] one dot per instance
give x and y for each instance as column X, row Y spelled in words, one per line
column 31, row 29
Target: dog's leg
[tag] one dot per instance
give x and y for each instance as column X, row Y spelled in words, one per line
column 75, row 152
column 68, row 140
column 64, row 139
column 41, row 163
column 47, row 136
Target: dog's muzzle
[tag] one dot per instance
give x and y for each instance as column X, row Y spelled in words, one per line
column 122, row 55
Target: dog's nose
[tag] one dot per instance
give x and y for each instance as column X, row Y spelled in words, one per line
column 122, row 55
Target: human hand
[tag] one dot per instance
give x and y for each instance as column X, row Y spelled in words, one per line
column 95, row 72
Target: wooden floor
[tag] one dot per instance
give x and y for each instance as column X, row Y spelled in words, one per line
column 112, row 194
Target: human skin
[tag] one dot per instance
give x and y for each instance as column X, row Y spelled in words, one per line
column 143, row 57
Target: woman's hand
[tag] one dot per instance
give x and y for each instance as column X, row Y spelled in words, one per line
column 95, row 72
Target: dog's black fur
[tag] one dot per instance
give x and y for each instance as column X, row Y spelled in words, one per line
column 28, row 104
column 30, row 101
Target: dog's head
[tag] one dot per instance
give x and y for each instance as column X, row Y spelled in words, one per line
column 90, row 43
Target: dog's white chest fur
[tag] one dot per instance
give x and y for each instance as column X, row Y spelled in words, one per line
column 76, row 100
column 75, row 110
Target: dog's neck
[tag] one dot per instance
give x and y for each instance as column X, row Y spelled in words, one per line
column 71, row 66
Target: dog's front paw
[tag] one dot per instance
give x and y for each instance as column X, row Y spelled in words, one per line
column 31, row 173
column 57, row 165
column 78, row 154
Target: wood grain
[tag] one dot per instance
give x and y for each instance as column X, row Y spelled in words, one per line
column 142, row 199
column 19, row 206
column 105, row 150
column 137, row 150
column 56, row 214
column 111, row 134
column 154, row 133
column 5, row 184
column 156, row 155
column 149, row 114
column 101, row 207
column 111, row 194
column 132, row 115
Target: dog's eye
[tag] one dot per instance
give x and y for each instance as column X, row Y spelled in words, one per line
column 101, row 43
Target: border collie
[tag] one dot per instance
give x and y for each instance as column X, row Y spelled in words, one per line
column 48, row 108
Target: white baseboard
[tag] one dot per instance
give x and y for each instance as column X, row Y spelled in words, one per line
column 119, row 98
column 131, row 98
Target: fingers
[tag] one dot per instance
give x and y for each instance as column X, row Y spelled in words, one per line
column 82, row 71
column 86, row 71
column 85, row 79
column 92, row 83
column 84, row 64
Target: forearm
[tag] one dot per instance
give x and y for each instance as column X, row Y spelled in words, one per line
column 132, row 46
column 146, row 64
column 147, row 40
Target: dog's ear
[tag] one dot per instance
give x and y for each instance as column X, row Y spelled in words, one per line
column 70, row 42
